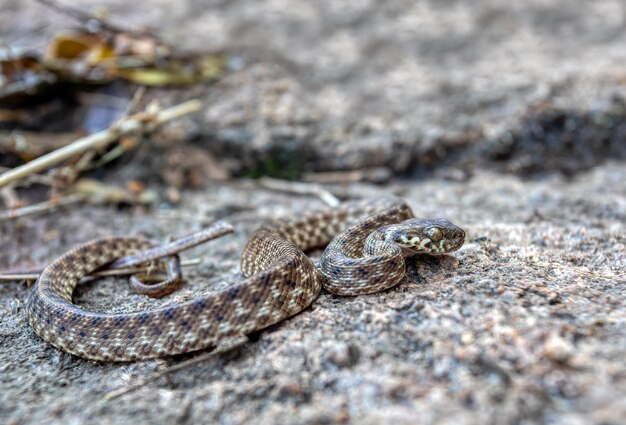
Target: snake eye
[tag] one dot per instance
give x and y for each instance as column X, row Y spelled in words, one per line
column 434, row 233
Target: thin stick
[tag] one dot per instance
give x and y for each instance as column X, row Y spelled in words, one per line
column 141, row 122
column 9, row 197
column 300, row 188
column 12, row 214
column 34, row 178
column 374, row 175
column 123, row 264
column 229, row 344
column 214, row 231
column 29, row 275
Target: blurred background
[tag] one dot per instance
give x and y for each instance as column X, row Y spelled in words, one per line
column 293, row 87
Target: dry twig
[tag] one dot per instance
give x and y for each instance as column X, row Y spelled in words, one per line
column 12, row 214
column 141, row 122
column 300, row 188
column 377, row 175
column 33, row 274
column 33, row 178
column 122, row 265
column 9, row 198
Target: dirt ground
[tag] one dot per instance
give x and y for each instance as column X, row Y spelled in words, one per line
column 507, row 118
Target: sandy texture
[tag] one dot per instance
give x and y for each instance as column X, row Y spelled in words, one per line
column 524, row 322
column 477, row 104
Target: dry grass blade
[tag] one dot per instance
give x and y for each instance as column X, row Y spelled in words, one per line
column 30, row 275
column 12, row 214
column 300, row 188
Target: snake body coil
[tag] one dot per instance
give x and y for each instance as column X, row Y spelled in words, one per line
column 281, row 281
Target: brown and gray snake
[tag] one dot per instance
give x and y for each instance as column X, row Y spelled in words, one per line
column 366, row 245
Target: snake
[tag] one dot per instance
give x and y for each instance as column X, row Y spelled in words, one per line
column 366, row 244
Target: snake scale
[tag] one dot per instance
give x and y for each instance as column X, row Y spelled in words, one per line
column 367, row 242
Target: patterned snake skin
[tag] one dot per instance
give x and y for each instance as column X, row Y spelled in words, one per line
column 281, row 281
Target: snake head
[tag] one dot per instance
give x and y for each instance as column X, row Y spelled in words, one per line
column 425, row 236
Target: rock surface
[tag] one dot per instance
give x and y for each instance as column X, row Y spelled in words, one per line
column 526, row 324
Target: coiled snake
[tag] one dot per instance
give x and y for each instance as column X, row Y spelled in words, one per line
column 366, row 257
